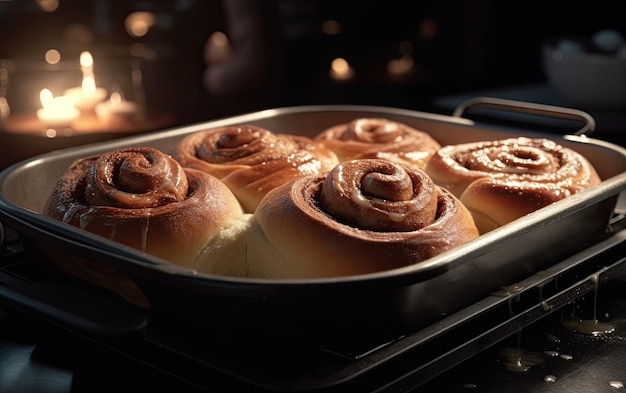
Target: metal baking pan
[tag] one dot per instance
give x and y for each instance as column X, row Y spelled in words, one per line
column 387, row 304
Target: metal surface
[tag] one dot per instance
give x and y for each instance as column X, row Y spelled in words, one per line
column 106, row 334
column 528, row 108
column 392, row 302
column 525, row 319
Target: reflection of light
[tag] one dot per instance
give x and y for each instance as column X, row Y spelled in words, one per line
column 404, row 65
column 401, row 66
column 117, row 110
column 331, row 27
column 48, row 5
column 340, row 69
column 139, row 23
column 52, row 56
column 139, row 28
column 218, row 48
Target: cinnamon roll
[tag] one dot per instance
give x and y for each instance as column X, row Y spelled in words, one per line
column 252, row 160
column 500, row 181
column 364, row 216
column 142, row 198
column 379, row 138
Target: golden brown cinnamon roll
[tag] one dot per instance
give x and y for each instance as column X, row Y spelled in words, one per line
column 251, row 160
column 500, row 181
column 144, row 199
column 364, row 216
column 379, row 138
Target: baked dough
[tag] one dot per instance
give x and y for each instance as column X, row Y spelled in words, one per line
column 500, row 181
column 142, row 198
column 252, row 160
column 381, row 138
column 364, row 216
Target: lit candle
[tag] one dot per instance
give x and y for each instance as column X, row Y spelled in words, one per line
column 341, row 70
column 56, row 112
column 87, row 95
column 117, row 110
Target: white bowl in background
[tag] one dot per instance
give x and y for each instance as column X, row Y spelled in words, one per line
column 585, row 76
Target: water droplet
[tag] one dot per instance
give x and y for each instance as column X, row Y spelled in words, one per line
column 549, row 378
column 592, row 327
column 469, row 386
column 616, row 384
column 519, row 360
column 567, row 357
column 552, row 338
column 551, row 353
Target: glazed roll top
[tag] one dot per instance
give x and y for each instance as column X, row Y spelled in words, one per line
column 251, row 160
column 500, row 181
column 144, row 199
column 364, row 216
column 379, row 138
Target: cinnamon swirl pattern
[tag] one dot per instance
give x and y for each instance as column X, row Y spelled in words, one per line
column 143, row 198
column 364, row 216
column 500, row 181
column 251, row 160
column 379, row 138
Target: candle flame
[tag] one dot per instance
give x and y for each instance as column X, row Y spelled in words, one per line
column 56, row 106
column 86, row 60
column 46, row 97
column 89, row 85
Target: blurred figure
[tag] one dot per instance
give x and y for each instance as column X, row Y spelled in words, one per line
column 247, row 67
column 282, row 49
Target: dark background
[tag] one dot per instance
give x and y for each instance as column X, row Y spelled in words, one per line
column 458, row 46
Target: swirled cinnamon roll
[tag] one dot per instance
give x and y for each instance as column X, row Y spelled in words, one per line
column 364, row 216
column 500, row 181
column 143, row 198
column 379, row 138
column 252, row 160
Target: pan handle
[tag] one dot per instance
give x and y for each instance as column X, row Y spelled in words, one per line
column 530, row 109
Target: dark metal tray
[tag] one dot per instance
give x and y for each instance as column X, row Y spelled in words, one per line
column 346, row 310
column 99, row 324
